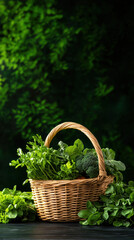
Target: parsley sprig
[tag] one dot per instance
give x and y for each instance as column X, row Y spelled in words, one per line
column 44, row 163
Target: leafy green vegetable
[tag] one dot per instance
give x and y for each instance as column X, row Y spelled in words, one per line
column 47, row 163
column 87, row 163
column 67, row 162
column 108, row 154
column 115, row 208
column 16, row 206
column 75, row 150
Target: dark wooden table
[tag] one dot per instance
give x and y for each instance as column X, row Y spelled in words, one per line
column 51, row 231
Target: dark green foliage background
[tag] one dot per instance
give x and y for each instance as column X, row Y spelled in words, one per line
column 66, row 61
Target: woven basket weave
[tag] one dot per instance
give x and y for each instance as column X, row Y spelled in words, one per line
column 61, row 200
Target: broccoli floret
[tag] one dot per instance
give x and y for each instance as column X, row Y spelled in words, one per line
column 79, row 163
column 92, row 172
column 86, row 163
column 89, row 160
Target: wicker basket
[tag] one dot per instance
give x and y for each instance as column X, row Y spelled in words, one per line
column 61, row 200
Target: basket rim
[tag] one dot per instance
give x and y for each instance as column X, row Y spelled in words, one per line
column 73, row 181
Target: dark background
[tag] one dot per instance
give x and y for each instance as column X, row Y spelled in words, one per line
column 66, row 61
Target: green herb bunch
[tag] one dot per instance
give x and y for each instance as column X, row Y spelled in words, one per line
column 47, row 163
column 115, row 208
column 16, row 206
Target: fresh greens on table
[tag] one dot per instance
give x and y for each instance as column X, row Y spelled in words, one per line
column 115, row 208
column 67, row 162
column 16, row 206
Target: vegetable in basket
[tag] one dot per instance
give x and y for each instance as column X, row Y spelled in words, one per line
column 67, row 162
column 87, row 163
column 44, row 163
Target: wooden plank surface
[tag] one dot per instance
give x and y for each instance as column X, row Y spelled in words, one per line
column 51, row 231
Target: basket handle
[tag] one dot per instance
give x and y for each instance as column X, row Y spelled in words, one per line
column 67, row 125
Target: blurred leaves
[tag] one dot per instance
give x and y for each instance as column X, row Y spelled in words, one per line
column 33, row 42
column 62, row 61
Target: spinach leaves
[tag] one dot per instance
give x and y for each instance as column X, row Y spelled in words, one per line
column 115, row 208
column 16, row 206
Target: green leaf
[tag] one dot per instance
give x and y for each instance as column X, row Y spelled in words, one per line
column 79, row 145
column 93, row 218
column 126, row 212
column 109, row 190
column 116, row 165
column 10, row 207
column 12, row 214
column 114, row 213
column 131, row 214
column 117, row 224
column 85, row 223
column 26, row 181
column 99, row 222
column 19, row 152
column 6, row 191
column 72, row 151
column 105, row 215
column 14, row 189
column 126, row 224
column 89, row 204
column 131, row 197
column 75, row 150
column 62, row 145
column 108, row 153
column 84, row 213
column 106, row 199
column 121, row 223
